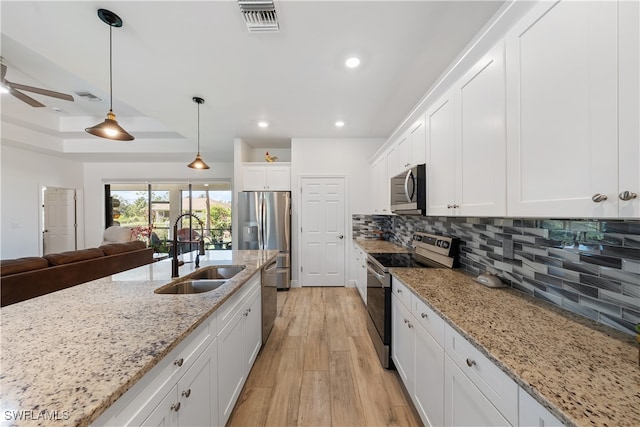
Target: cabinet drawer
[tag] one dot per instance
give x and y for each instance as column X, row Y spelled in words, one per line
column 428, row 318
column 401, row 291
column 232, row 305
column 501, row 390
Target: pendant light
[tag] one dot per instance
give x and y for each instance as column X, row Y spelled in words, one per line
column 110, row 129
column 198, row 163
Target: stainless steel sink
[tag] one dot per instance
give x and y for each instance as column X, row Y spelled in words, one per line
column 217, row 272
column 190, row 286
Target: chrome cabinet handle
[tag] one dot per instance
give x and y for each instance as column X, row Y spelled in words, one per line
column 424, row 315
column 175, row 407
column 178, row 362
column 186, row 393
column 598, row 197
column 454, row 206
column 409, row 325
column 470, row 362
column 627, row 195
column 406, row 321
column 399, row 291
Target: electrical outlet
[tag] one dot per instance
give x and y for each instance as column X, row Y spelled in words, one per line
column 507, row 249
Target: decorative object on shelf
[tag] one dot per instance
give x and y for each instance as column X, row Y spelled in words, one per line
column 110, row 129
column 198, row 163
column 269, row 158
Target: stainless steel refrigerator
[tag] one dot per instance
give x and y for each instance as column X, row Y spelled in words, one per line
column 264, row 219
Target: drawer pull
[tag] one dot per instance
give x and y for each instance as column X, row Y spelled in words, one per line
column 409, row 325
column 470, row 362
column 178, row 362
column 599, row 197
column 406, row 321
column 424, row 315
column 186, row 393
column 175, row 407
column 399, row 291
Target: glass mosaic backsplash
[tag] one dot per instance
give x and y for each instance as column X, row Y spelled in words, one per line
column 588, row 267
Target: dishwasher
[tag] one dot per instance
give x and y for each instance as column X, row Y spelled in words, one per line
column 269, row 298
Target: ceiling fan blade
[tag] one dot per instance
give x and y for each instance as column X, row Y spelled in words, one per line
column 4, row 71
column 41, row 91
column 25, row 98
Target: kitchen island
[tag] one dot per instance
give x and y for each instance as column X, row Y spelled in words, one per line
column 68, row 356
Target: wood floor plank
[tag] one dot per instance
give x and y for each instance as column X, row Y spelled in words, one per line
column 315, row 399
column 319, row 368
column 346, row 406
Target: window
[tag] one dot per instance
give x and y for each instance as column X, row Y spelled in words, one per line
column 152, row 209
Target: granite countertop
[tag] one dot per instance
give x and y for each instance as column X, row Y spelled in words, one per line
column 70, row 354
column 583, row 372
column 381, row 246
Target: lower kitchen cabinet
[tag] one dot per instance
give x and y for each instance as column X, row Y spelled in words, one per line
column 418, row 356
column 464, row 403
column 531, row 413
column 198, row 382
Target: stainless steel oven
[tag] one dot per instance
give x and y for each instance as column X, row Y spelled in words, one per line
column 430, row 251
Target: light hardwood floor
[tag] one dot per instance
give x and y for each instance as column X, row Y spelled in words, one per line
column 319, row 368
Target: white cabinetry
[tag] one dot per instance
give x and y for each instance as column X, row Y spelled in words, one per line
column 239, row 342
column 266, row 177
column 380, row 186
column 197, row 383
column 466, row 143
column 492, row 385
column 572, row 110
column 359, row 271
column 408, row 150
column 531, row 413
column 417, row 334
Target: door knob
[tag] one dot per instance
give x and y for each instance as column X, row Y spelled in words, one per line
column 625, row 195
column 341, row 237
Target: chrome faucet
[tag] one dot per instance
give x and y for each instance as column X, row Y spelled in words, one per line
column 174, row 259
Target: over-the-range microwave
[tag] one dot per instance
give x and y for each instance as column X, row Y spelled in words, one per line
column 409, row 191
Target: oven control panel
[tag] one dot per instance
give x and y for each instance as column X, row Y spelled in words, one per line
column 430, row 242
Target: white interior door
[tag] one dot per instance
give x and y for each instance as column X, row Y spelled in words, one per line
column 322, row 232
column 59, row 220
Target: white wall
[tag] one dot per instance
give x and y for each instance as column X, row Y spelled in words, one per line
column 96, row 175
column 347, row 157
column 23, row 174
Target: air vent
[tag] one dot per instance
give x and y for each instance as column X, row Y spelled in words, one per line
column 259, row 15
column 88, row 96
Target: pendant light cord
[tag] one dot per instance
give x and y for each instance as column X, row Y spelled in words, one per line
column 110, row 68
column 198, row 128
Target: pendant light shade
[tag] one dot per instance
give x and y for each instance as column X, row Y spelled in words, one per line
column 110, row 129
column 198, row 163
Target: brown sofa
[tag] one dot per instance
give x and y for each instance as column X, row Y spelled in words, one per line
column 26, row 278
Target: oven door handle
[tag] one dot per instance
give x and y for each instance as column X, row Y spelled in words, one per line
column 372, row 270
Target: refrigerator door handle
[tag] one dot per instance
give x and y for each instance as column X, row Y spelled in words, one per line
column 260, row 222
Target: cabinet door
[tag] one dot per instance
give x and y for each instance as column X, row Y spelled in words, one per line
column 418, row 135
column 440, row 145
column 464, row 403
column 194, row 393
column 254, row 178
column 531, row 413
column 251, row 330
column 402, row 343
column 480, row 151
column 429, row 378
column 394, row 162
column 166, row 413
column 629, row 111
column 404, row 154
column 278, row 178
column 562, row 104
column 362, row 275
column 383, row 186
column 231, row 372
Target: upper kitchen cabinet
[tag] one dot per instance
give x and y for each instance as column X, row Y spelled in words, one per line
column 572, row 111
column 266, row 177
column 466, row 144
column 380, row 186
column 409, row 150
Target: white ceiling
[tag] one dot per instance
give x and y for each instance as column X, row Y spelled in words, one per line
column 169, row 51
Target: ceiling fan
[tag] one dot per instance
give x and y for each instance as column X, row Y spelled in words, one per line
column 15, row 88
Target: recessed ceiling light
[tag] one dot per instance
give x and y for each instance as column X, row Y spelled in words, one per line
column 263, row 124
column 339, row 123
column 352, row 62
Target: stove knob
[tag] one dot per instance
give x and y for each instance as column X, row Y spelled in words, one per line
column 445, row 244
column 417, row 237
